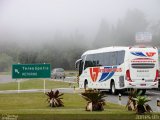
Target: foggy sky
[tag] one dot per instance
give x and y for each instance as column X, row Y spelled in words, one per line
column 40, row 20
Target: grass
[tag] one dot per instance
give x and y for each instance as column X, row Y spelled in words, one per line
column 71, row 73
column 34, row 84
column 35, row 105
column 30, row 106
column 5, row 73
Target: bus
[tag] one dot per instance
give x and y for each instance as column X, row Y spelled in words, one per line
column 159, row 70
column 118, row 69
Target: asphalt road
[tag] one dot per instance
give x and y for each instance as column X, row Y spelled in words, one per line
column 6, row 79
column 124, row 98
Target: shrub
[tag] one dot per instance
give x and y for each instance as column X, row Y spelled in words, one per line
column 95, row 100
column 54, row 98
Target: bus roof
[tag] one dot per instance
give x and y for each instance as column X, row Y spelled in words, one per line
column 105, row 49
column 108, row 49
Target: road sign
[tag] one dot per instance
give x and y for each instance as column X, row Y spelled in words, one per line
column 20, row 71
column 143, row 37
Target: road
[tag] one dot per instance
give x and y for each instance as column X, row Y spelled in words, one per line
column 6, row 78
column 150, row 93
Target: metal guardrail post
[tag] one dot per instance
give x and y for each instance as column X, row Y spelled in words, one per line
column 119, row 99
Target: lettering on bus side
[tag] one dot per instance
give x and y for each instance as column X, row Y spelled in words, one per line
column 94, row 72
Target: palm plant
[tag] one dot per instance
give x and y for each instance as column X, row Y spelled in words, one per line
column 131, row 104
column 95, row 100
column 141, row 107
column 54, row 98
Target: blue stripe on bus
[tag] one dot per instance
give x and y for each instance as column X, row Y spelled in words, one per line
column 138, row 54
column 107, row 75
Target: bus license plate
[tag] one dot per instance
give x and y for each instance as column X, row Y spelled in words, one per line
column 143, row 84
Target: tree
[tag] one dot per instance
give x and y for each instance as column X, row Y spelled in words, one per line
column 103, row 37
column 133, row 22
column 27, row 57
column 155, row 29
column 6, row 62
column 123, row 33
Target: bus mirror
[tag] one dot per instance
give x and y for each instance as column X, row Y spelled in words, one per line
column 77, row 63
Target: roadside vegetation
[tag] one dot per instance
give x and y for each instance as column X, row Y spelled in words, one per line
column 95, row 100
column 54, row 98
column 71, row 73
column 63, row 50
column 35, row 105
column 137, row 102
column 5, row 73
column 35, row 84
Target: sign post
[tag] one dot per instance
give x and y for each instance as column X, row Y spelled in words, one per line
column 119, row 99
column 44, row 86
column 22, row 71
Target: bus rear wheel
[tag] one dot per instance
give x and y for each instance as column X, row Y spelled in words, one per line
column 143, row 91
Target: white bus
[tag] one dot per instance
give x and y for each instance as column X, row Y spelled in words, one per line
column 119, row 68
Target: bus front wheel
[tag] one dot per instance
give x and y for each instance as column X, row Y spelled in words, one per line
column 85, row 84
column 113, row 89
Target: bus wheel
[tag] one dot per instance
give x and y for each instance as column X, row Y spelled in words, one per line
column 113, row 88
column 85, row 84
column 143, row 91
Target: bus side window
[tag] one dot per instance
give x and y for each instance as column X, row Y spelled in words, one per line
column 106, row 59
column 99, row 59
column 120, row 58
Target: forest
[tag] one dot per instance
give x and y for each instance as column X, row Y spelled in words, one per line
column 63, row 50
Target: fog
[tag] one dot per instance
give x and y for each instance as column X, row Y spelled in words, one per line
column 39, row 21
column 59, row 31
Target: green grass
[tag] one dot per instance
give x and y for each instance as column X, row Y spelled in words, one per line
column 35, row 103
column 71, row 73
column 34, row 84
column 30, row 106
column 5, row 73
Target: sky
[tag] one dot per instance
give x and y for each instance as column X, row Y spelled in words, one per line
column 40, row 20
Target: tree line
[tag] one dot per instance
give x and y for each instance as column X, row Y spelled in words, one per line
column 63, row 51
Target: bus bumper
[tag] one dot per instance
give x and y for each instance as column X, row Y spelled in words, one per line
column 142, row 85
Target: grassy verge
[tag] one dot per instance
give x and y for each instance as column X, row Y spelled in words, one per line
column 5, row 73
column 71, row 73
column 35, row 84
column 34, row 106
